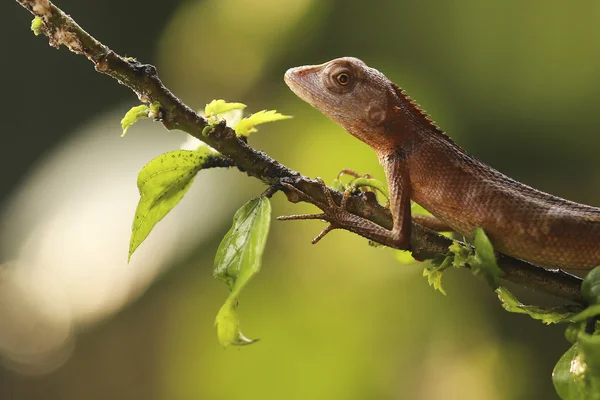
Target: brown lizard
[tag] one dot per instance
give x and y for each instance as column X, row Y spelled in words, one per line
column 423, row 164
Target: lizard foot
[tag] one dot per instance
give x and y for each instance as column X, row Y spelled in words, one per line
column 337, row 216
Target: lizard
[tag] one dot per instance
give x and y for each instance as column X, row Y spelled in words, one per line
column 423, row 164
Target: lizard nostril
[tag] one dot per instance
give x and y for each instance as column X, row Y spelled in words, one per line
column 293, row 74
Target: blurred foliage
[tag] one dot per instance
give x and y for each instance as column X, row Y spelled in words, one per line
column 514, row 83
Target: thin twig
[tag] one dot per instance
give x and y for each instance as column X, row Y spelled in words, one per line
column 143, row 80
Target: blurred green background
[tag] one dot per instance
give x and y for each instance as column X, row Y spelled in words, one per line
column 515, row 83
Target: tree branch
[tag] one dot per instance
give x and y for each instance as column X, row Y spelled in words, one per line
column 143, row 80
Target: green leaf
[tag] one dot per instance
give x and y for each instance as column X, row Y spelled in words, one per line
column 481, row 258
column 484, row 261
column 238, row 259
column 228, row 326
column 550, row 315
column 462, row 254
column 134, row 114
column 218, row 107
column 36, row 25
column 435, row 272
column 576, row 376
column 162, row 183
column 247, row 125
column 570, row 375
column 590, row 287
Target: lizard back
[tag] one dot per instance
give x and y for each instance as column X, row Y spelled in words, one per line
column 521, row 221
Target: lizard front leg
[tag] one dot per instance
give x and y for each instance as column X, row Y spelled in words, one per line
column 340, row 218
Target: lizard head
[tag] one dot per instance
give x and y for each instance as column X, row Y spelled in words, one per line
column 350, row 93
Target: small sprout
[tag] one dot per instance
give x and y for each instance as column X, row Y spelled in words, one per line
column 36, row 25
column 247, row 125
column 436, row 270
column 207, row 130
column 217, row 108
column 481, row 259
column 155, row 112
column 134, row 114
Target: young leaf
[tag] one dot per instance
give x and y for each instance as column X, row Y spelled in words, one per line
column 162, row 183
column 551, row 315
column 481, row 259
column 462, row 254
column 435, row 272
column 36, row 25
column 247, row 125
column 154, row 110
column 484, row 261
column 134, row 114
column 217, row 107
column 238, row 259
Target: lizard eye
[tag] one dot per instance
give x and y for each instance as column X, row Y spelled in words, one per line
column 343, row 79
column 339, row 79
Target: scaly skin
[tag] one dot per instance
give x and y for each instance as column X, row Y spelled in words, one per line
column 423, row 164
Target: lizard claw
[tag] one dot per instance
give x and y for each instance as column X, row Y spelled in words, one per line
column 324, row 232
